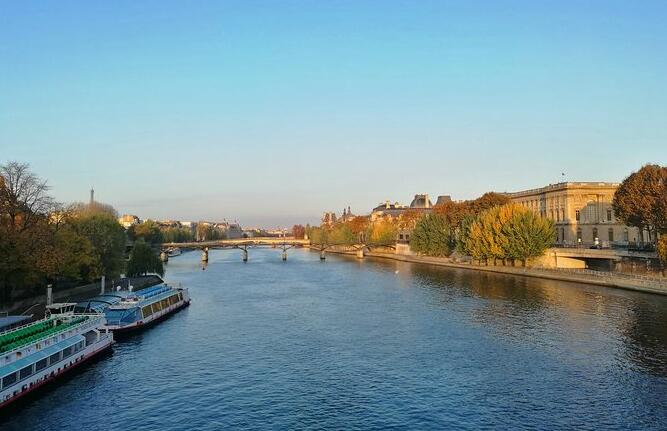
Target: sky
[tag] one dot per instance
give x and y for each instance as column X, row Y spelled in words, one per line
column 271, row 112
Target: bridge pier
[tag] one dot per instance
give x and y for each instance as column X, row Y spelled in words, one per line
column 204, row 255
column 360, row 253
column 322, row 256
column 284, row 255
column 245, row 254
column 164, row 257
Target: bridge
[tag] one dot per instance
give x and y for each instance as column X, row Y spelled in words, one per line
column 605, row 258
column 242, row 244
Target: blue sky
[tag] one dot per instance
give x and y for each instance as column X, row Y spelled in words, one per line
column 272, row 112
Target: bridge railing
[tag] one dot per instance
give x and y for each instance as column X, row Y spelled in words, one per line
column 608, row 274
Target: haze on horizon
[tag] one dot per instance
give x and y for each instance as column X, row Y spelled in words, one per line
column 270, row 115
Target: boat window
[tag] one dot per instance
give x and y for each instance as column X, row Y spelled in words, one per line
column 25, row 372
column 146, row 311
column 67, row 351
column 54, row 358
column 8, row 380
column 180, row 296
column 40, row 365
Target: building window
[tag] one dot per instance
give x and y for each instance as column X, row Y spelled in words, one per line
column 578, row 235
column 562, row 211
column 611, row 235
column 595, row 233
column 609, row 215
column 625, row 235
column 562, row 235
column 577, row 215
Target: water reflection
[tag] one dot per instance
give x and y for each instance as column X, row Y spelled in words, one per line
column 550, row 313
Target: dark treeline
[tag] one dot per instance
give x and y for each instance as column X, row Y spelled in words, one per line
column 43, row 242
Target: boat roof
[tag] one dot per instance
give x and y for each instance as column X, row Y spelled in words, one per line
column 8, row 321
column 39, row 355
column 101, row 302
column 146, row 296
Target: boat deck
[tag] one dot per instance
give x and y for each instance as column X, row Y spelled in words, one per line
column 34, row 332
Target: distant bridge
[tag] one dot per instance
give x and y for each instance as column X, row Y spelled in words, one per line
column 282, row 243
column 242, row 244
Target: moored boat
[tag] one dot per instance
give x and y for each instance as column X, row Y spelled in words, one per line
column 173, row 251
column 35, row 354
column 143, row 307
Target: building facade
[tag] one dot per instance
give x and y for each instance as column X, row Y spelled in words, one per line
column 582, row 213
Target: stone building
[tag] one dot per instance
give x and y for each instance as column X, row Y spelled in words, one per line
column 329, row 218
column 127, row 220
column 582, row 213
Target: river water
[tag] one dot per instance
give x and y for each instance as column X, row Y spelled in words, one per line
column 372, row 344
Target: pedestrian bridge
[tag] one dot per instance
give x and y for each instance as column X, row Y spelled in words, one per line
column 242, row 244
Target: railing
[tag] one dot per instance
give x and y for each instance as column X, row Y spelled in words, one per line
column 644, row 279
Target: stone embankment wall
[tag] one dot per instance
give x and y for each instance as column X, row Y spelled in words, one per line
column 650, row 284
column 74, row 294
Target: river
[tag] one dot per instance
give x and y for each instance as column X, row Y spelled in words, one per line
column 347, row 344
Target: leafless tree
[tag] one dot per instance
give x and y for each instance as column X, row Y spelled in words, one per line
column 24, row 197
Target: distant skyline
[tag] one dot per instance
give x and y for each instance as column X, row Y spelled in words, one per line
column 271, row 113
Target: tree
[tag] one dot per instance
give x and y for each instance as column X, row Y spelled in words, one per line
column 144, row 260
column 318, row 235
column 92, row 208
column 662, row 252
column 454, row 212
column 24, row 229
column 528, row 235
column 382, row 232
column 107, row 237
column 508, row 232
column 149, row 231
column 24, row 197
column 76, row 257
column 341, row 234
column 432, row 236
column 641, row 200
column 487, row 201
column 298, row 231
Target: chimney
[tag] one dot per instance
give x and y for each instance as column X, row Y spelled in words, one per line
column 92, row 195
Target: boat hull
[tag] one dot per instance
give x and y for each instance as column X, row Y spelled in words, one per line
column 74, row 364
column 146, row 323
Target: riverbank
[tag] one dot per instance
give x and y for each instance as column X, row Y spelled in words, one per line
column 600, row 279
column 74, row 294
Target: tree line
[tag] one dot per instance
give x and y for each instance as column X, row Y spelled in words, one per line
column 491, row 229
column 44, row 242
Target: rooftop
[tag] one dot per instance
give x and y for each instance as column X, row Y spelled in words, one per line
column 563, row 186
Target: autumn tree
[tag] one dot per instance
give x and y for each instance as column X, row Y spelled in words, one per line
column 528, row 235
column 508, row 232
column 318, row 235
column 382, row 232
column 487, row 201
column 662, row 252
column 641, row 200
column 342, row 234
column 432, row 236
column 298, row 231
